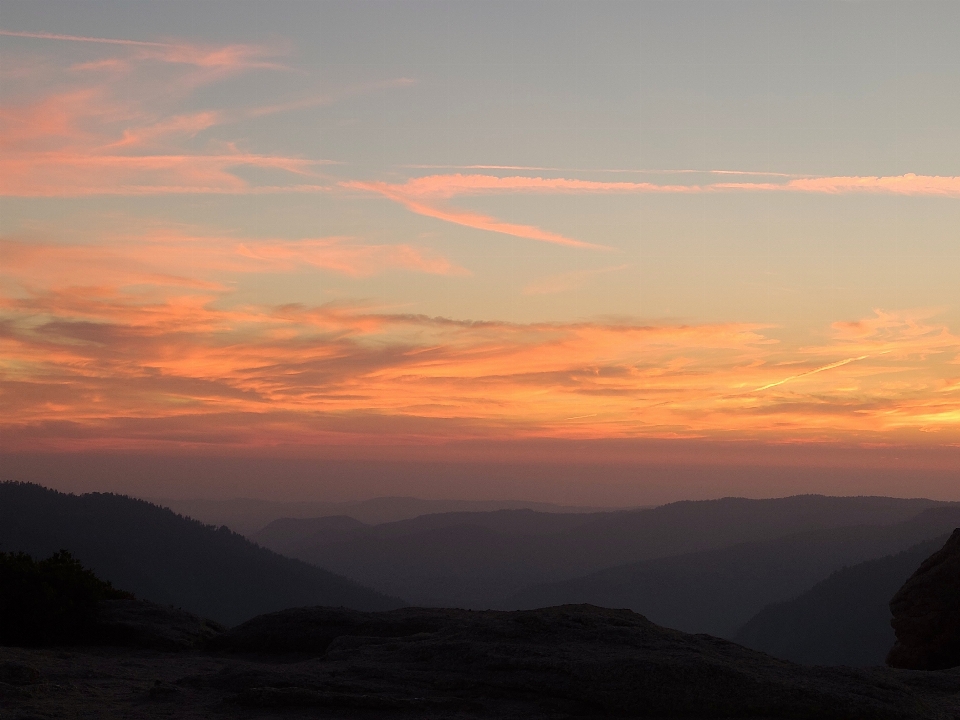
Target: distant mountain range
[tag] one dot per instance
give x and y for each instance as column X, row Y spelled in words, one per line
column 246, row 515
column 482, row 560
column 168, row 559
column 717, row 591
column 805, row 578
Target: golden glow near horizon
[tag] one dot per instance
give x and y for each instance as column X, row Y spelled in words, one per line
column 341, row 301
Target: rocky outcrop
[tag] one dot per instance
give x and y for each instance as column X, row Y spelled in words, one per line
column 553, row 662
column 144, row 624
column 926, row 613
column 549, row 664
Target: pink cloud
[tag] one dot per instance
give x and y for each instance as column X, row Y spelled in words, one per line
column 433, row 187
column 157, row 259
column 188, row 125
column 485, row 222
column 76, row 174
column 421, row 195
column 63, row 145
column 413, row 194
column 86, row 141
column 909, row 184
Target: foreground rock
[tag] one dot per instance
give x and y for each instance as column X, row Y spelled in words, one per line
column 926, row 613
column 570, row 661
column 147, row 625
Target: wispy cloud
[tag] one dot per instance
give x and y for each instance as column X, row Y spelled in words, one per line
column 219, row 57
column 122, row 135
column 444, row 187
column 78, row 174
column 908, row 184
column 475, row 220
column 158, row 259
column 425, row 195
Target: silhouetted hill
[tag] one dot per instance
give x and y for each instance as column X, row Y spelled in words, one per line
column 843, row 620
column 169, row 559
column 717, row 591
column 547, row 664
column 478, row 559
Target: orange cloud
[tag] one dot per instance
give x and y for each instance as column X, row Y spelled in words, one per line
column 177, row 364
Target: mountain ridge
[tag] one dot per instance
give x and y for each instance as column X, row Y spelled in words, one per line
column 169, row 559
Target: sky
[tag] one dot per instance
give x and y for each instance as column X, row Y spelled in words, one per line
column 548, row 234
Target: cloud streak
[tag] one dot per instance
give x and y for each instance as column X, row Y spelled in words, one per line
column 426, row 195
column 444, row 187
column 467, row 218
column 159, row 259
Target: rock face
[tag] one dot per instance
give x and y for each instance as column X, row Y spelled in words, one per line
column 926, row 613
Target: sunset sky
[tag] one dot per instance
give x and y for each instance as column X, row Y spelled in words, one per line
column 325, row 229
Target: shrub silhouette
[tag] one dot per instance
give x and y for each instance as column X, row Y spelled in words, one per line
column 52, row 601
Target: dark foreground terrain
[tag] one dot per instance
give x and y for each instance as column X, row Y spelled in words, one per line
column 570, row 661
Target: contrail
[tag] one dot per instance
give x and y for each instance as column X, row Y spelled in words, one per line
column 811, row 372
column 601, row 170
column 80, row 38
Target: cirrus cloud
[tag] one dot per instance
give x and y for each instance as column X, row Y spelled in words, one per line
column 425, row 195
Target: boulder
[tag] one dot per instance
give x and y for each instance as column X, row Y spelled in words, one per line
column 926, row 613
